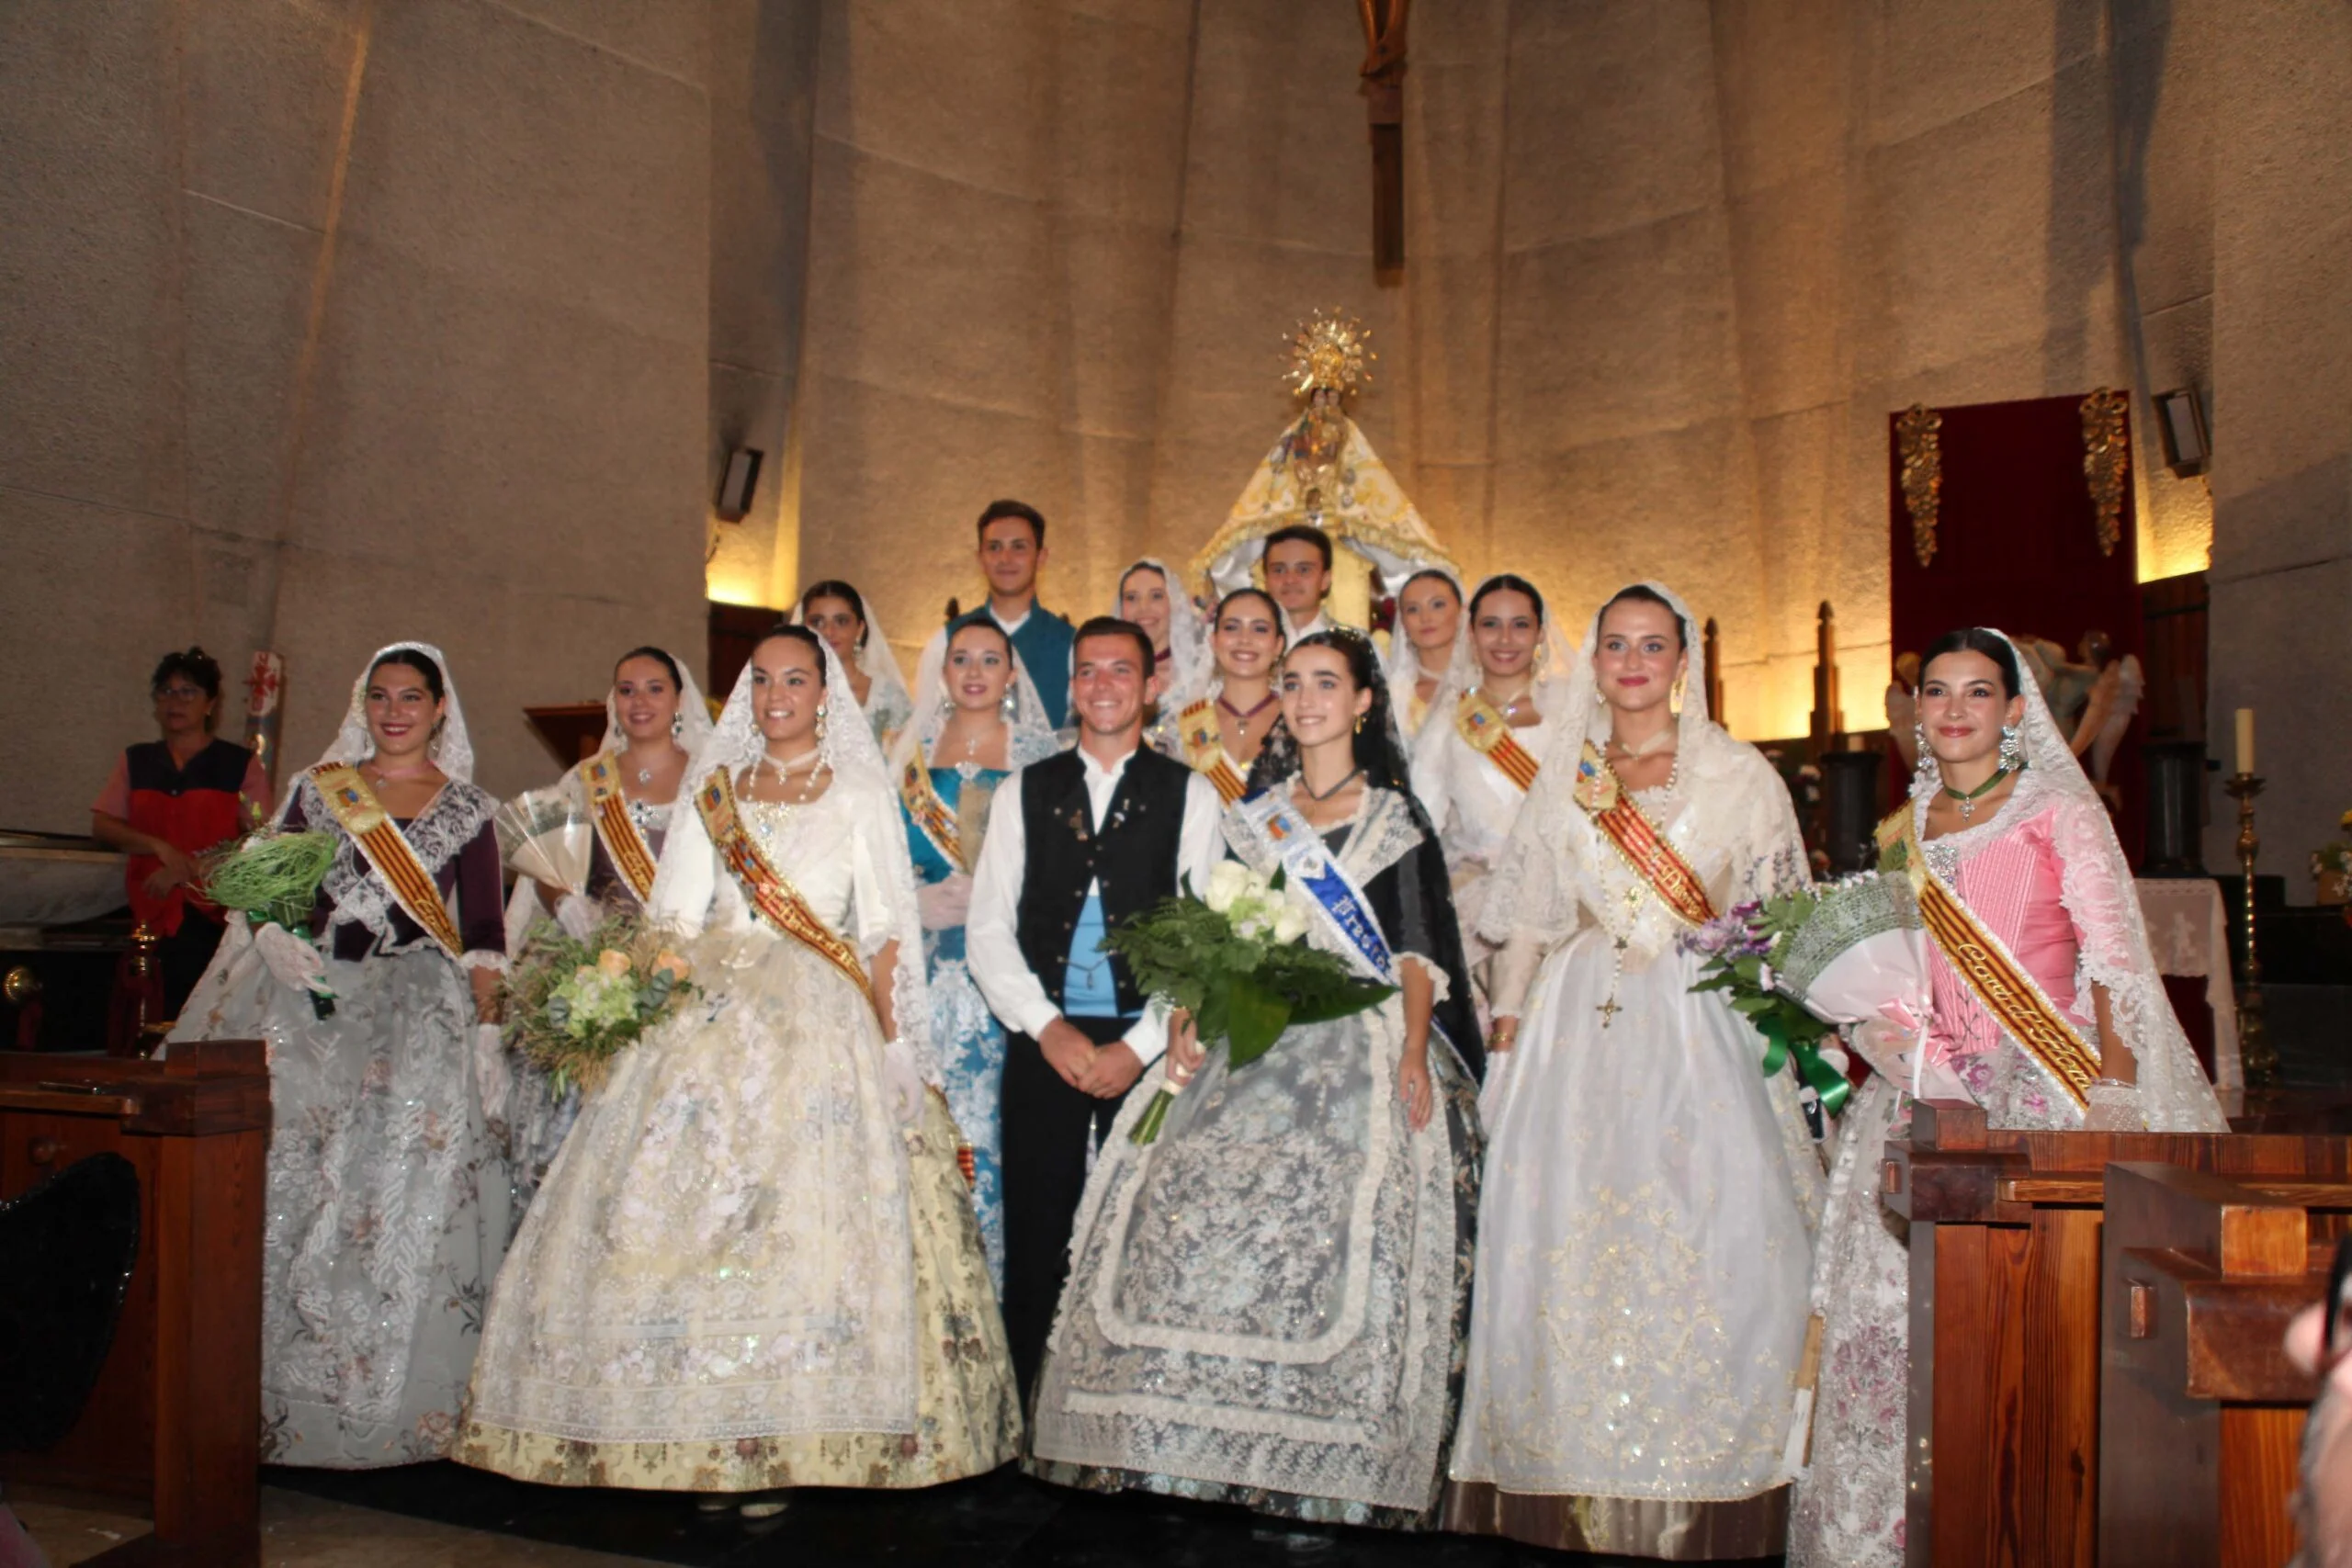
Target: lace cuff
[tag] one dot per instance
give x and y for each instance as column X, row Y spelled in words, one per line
column 1513, row 973
column 485, row 958
column 1441, row 983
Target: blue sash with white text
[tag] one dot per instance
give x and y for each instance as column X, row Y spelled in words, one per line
column 1311, row 865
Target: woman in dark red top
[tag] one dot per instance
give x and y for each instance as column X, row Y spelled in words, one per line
column 169, row 801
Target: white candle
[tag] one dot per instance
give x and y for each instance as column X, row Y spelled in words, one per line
column 2245, row 741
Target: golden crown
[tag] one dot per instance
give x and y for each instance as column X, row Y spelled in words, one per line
column 1330, row 350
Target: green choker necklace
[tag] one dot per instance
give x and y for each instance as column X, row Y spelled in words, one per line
column 1969, row 798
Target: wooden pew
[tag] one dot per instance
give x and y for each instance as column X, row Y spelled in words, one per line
column 175, row 1421
column 2005, row 1266
column 2200, row 1412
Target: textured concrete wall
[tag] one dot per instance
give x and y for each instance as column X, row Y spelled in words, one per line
column 324, row 324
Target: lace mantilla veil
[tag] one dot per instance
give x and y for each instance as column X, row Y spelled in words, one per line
column 1031, row 738
column 1188, row 636
column 2097, row 889
column 1552, row 668
column 850, row 750
column 875, row 659
column 693, row 714
column 1530, row 889
column 1402, row 665
column 451, row 751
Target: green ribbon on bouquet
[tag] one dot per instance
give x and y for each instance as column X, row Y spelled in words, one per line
column 1781, row 1045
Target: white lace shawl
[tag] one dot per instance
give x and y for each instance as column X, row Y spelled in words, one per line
column 2096, row 886
column 689, row 882
column 1384, row 832
column 1729, row 814
column 1402, row 665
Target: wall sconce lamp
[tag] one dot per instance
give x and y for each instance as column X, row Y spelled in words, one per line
column 2181, row 416
column 737, row 483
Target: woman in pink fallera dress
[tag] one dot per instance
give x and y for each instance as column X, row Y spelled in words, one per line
column 2004, row 818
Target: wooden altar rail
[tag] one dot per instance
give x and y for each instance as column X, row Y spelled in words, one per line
column 174, row 1419
column 2005, row 1317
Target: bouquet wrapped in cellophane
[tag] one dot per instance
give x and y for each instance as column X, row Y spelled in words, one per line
column 572, row 1004
column 544, row 834
column 1861, row 961
column 1236, row 958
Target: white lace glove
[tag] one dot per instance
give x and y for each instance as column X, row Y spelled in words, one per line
column 945, row 905
column 295, row 963
column 906, row 1084
column 577, row 915
column 2114, row 1107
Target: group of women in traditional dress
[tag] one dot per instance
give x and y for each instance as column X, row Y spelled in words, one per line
column 1529, row 1247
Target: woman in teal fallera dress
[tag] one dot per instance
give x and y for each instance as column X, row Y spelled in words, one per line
column 987, row 721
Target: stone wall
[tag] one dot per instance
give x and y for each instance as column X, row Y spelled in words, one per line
column 330, row 323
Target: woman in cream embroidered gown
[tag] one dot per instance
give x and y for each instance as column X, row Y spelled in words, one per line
column 753, row 1264
column 989, row 721
column 1507, row 661
column 1644, row 1241
column 654, row 722
column 1265, row 1306
column 388, row 1196
column 2034, row 858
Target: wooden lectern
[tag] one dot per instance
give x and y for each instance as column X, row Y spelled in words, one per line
column 175, row 1417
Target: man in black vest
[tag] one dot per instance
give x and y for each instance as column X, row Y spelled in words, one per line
column 1076, row 844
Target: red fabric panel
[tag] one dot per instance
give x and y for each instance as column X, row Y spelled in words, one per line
column 2017, row 548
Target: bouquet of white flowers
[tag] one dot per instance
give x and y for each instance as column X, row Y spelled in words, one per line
column 1234, row 958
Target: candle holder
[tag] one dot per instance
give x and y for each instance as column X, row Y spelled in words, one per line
column 2258, row 1061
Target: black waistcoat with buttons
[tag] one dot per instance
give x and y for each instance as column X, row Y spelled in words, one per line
column 1132, row 855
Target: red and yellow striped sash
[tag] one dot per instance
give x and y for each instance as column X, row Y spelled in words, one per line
column 1487, row 732
column 388, row 851
column 929, row 813
column 769, row 891
column 625, row 845
column 1203, row 744
column 2021, row 1007
column 1610, row 805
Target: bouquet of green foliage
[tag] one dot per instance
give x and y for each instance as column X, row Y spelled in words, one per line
column 1236, row 959
column 573, row 1004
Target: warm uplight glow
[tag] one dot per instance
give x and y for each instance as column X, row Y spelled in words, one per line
column 732, row 584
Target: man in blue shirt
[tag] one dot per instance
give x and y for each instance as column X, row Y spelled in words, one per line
column 1012, row 547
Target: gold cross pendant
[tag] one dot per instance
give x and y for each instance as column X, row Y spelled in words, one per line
column 1608, row 1012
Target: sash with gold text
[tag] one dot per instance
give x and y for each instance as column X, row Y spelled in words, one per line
column 1611, row 807
column 1485, row 730
column 624, row 845
column 1203, row 743
column 768, row 890
column 2020, row 1007
column 388, row 850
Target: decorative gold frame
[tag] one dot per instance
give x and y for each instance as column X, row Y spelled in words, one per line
column 1920, row 447
column 2106, row 452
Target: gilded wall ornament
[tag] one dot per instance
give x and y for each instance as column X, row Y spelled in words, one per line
column 2106, row 452
column 1921, row 451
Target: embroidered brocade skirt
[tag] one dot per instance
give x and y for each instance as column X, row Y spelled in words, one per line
column 1267, row 1305
column 742, row 1272
column 388, row 1203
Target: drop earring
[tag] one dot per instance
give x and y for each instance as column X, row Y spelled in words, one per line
column 1925, row 768
column 2012, row 749
column 1675, row 694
